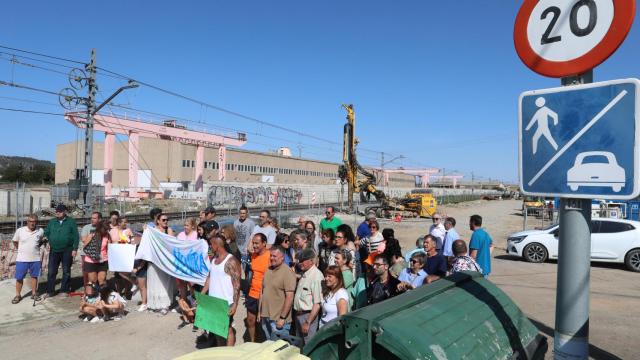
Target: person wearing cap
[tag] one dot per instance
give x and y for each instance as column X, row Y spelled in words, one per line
column 62, row 232
column 209, row 213
column 363, row 230
column 308, row 297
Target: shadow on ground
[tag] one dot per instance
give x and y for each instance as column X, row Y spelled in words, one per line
column 594, row 351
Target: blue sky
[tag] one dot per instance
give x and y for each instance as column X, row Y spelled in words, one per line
column 435, row 81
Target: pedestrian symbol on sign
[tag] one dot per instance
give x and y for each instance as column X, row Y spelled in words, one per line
column 542, row 118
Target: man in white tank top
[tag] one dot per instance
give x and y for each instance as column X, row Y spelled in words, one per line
column 224, row 282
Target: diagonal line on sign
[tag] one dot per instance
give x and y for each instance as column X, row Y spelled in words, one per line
column 611, row 104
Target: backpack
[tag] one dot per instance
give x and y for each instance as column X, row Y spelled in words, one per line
column 92, row 249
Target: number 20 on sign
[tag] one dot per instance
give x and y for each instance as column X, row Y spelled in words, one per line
column 559, row 38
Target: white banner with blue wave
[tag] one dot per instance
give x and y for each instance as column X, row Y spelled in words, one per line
column 182, row 259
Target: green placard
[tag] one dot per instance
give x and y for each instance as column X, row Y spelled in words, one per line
column 212, row 314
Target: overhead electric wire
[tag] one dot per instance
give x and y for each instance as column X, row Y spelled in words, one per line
column 19, row 86
column 15, row 61
column 31, row 111
column 114, row 74
column 39, row 54
column 28, row 101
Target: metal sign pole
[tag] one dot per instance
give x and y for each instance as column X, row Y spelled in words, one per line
column 571, row 336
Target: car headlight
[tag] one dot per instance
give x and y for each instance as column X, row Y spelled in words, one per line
column 517, row 239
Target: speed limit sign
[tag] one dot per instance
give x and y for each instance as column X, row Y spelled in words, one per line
column 559, row 38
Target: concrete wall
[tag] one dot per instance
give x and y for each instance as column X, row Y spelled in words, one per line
column 34, row 200
column 230, row 194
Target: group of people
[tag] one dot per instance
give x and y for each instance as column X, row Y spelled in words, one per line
column 292, row 283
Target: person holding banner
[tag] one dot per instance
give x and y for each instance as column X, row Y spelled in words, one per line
column 121, row 234
column 224, row 282
column 160, row 286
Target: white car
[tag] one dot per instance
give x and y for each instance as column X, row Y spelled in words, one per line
column 608, row 173
column 612, row 240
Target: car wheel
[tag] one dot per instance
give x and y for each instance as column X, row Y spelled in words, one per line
column 632, row 260
column 535, row 253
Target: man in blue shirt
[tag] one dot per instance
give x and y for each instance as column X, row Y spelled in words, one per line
column 480, row 244
column 363, row 230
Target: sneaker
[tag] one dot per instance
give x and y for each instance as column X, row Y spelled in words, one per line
column 174, row 310
column 96, row 320
column 134, row 289
column 116, row 318
column 164, row 312
column 86, row 319
column 142, row 308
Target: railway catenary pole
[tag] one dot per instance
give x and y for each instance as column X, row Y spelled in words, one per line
column 88, row 140
column 574, row 266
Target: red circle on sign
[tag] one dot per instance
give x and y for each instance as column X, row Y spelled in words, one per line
column 624, row 12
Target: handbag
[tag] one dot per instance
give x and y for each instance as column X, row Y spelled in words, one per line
column 92, row 249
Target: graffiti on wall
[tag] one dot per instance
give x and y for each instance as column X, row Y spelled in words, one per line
column 236, row 195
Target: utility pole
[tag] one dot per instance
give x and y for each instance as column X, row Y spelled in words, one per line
column 88, row 139
column 571, row 335
column 300, row 151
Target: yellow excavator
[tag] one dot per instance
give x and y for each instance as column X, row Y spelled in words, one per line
column 416, row 204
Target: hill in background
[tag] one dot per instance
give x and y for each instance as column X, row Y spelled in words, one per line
column 26, row 169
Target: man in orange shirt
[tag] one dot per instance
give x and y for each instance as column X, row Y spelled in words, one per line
column 259, row 265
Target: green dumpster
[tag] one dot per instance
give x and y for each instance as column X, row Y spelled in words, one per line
column 461, row 316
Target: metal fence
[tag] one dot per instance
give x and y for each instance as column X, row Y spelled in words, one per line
column 536, row 217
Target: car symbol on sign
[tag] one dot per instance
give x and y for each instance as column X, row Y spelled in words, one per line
column 608, row 173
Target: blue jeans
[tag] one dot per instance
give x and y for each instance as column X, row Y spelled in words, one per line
column 55, row 258
column 269, row 327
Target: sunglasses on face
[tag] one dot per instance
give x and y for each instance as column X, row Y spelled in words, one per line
column 414, row 261
column 164, row 220
column 435, row 219
column 339, row 237
column 373, row 227
column 378, row 264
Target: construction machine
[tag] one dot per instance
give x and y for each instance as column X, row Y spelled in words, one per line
column 348, row 172
column 415, row 204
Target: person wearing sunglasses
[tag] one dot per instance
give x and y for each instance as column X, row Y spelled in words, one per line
column 162, row 224
column 331, row 221
column 376, row 238
column 413, row 276
column 438, row 231
column 383, row 286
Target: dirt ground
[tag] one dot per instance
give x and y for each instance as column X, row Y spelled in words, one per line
column 58, row 334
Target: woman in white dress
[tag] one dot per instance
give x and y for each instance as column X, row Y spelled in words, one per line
column 335, row 299
column 160, row 286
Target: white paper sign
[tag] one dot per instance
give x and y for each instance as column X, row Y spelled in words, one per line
column 121, row 257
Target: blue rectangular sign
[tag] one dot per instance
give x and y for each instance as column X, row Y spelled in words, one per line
column 580, row 141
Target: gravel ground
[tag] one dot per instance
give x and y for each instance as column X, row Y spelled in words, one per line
column 615, row 295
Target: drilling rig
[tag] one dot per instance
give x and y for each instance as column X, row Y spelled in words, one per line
column 415, row 204
column 350, row 169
